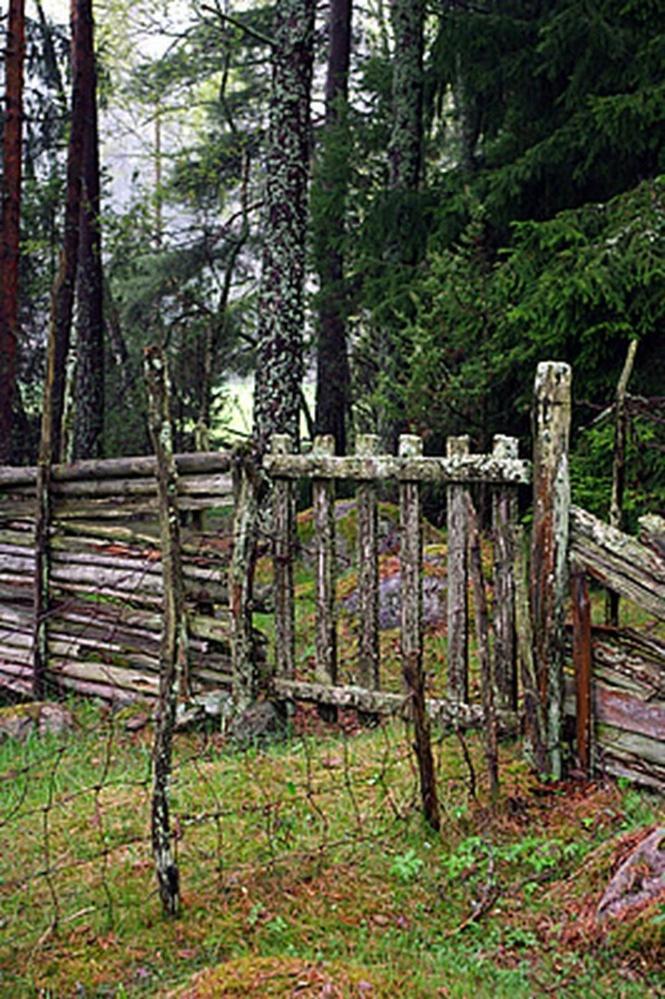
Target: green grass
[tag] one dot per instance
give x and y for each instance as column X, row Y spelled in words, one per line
column 307, row 862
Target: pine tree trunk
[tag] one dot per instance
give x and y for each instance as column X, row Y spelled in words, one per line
column 62, row 294
column 280, row 309
column 333, row 374
column 406, row 142
column 89, row 390
column 10, row 223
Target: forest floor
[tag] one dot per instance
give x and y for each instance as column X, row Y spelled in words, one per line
column 307, row 870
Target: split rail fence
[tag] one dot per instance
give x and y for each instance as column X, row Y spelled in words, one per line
column 92, row 620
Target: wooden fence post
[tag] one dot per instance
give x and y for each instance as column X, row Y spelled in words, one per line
column 41, row 584
column 411, row 559
column 504, row 517
column 283, row 550
column 549, row 544
column 247, row 678
column 457, row 599
column 368, row 571
column 173, row 650
column 323, row 498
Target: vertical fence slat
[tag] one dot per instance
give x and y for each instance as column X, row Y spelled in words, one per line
column 549, row 544
column 581, row 606
column 504, row 517
column 487, row 677
column 283, row 550
column 247, row 678
column 368, row 571
column 41, row 584
column 457, row 599
column 411, row 559
column 323, row 497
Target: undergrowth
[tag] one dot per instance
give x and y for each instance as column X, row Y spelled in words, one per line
column 307, row 870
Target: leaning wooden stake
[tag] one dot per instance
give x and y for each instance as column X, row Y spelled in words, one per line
column 323, row 498
column 487, row 677
column 582, row 661
column 173, row 650
column 412, row 651
column 619, row 467
column 549, row 544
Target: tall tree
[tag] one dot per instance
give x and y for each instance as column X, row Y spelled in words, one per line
column 10, row 222
column 62, row 295
column 280, row 309
column 89, row 386
column 329, row 219
column 405, row 151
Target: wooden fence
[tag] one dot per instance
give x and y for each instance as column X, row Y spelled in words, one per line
column 101, row 623
column 619, row 688
column 103, row 614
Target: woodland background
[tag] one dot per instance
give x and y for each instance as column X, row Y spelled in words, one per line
column 409, row 204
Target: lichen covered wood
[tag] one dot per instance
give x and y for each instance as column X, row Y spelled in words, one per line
column 549, row 544
column 279, row 367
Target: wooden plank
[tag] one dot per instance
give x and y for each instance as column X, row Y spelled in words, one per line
column 283, row 550
column 457, row 608
column 619, row 561
column 323, row 502
column 581, row 609
column 504, row 518
column 368, row 572
column 469, row 468
column 189, row 463
column 549, row 545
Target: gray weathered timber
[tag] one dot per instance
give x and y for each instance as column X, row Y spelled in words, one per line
column 440, row 710
column 411, row 564
column 457, row 610
column 618, row 561
column 368, row 572
column 487, row 678
column 247, row 678
column 466, row 468
column 173, row 650
column 504, row 518
column 117, row 468
column 283, row 549
column 41, row 579
column 549, row 544
column 323, row 500
column 534, row 717
column 581, row 614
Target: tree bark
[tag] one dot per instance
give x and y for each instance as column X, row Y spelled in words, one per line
column 333, row 373
column 280, row 309
column 89, row 385
column 62, row 294
column 10, row 224
column 405, row 152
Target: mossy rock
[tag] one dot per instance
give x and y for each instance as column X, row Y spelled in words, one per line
column 20, row 721
column 253, row 976
column 346, row 532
